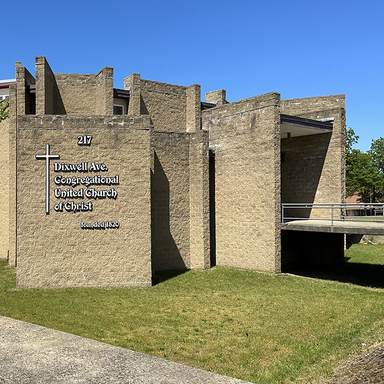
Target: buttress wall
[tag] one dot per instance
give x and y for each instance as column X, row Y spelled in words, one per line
column 170, row 201
column 73, row 94
column 313, row 169
column 245, row 138
column 4, row 189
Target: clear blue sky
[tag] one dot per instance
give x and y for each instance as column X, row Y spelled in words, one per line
column 297, row 48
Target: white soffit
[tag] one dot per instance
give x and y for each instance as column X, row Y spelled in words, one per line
column 299, row 131
column 292, row 126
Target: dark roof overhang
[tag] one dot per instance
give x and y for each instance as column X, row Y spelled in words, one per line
column 6, row 85
column 205, row 105
column 293, row 126
column 306, row 123
column 121, row 93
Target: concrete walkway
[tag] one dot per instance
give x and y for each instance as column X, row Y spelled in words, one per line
column 33, row 354
column 352, row 227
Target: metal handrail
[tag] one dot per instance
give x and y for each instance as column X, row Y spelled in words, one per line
column 340, row 207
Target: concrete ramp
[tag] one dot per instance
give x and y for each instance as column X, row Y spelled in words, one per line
column 327, row 226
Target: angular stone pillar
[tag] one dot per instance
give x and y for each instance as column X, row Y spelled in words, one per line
column 104, row 93
column 132, row 83
column 199, row 201
column 193, row 111
column 216, row 97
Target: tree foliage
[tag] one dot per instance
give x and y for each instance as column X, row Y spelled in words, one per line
column 365, row 170
column 4, row 109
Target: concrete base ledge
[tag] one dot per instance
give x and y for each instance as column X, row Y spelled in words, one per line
column 350, row 227
column 33, row 354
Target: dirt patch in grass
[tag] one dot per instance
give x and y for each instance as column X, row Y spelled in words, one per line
column 367, row 368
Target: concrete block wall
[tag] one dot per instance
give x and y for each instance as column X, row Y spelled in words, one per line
column 246, row 139
column 166, row 104
column 48, row 98
column 73, row 94
column 78, row 93
column 23, row 78
column 302, row 170
column 180, row 201
column 175, row 207
column 180, row 179
column 170, row 201
column 133, row 84
column 12, row 166
column 104, row 91
column 83, row 95
column 199, row 201
column 216, row 97
column 4, row 189
column 193, row 108
column 173, row 108
column 161, row 152
column 53, row 250
column 314, row 167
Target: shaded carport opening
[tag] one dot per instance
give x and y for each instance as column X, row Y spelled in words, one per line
column 304, row 146
column 310, row 248
column 314, row 248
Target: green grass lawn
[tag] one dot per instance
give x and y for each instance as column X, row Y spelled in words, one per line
column 366, row 254
column 259, row 327
column 378, row 219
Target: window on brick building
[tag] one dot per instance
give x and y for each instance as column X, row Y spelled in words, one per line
column 118, row 109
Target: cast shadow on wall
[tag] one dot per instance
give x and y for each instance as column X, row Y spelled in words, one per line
column 55, row 104
column 302, row 164
column 59, row 108
column 165, row 253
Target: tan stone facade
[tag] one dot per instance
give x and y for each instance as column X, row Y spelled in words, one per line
column 246, row 138
column 312, row 163
column 4, row 188
column 57, row 249
column 170, row 183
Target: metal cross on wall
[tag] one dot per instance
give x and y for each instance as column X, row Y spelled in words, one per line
column 47, row 157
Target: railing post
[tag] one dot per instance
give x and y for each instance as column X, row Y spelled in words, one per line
column 332, row 215
column 282, row 213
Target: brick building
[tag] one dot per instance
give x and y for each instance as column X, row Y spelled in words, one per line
column 4, row 88
column 104, row 186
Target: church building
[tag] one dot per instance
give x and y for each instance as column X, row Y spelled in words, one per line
column 103, row 186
